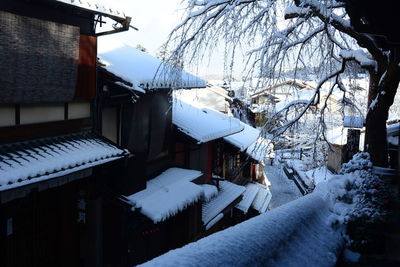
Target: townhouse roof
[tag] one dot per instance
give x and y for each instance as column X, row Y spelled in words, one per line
column 243, row 139
column 49, row 158
column 262, row 199
column 256, row 196
column 98, row 6
column 168, row 194
column 248, row 197
column 267, row 91
column 228, row 193
column 203, row 124
column 141, row 70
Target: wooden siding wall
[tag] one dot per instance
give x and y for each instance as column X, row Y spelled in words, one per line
column 86, row 79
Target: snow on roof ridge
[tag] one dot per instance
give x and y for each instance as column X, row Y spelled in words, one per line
column 142, row 69
column 101, row 6
column 168, row 194
column 52, row 158
column 203, row 124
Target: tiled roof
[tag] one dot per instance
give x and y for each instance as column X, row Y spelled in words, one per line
column 248, row 197
column 203, row 124
column 262, row 199
column 100, row 6
column 245, row 138
column 142, row 70
column 42, row 159
column 227, row 194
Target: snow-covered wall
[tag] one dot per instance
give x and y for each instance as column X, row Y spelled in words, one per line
column 295, row 234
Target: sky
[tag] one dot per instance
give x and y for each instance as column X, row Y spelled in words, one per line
column 155, row 19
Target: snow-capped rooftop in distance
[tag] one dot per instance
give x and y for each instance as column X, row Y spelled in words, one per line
column 141, row 69
column 203, row 124
column 167, row 194
column 243, row 139
column 214, row 97
column 44, row 159
column 228, row 193
column 101, row 6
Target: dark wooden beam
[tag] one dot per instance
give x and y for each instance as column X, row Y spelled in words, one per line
column 32, row 131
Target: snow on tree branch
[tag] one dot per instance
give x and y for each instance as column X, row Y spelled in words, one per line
column 361, row 57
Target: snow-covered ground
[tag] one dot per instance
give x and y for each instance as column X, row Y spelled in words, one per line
column 282, row 189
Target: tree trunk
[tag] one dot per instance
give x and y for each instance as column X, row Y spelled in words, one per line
column 381, row 96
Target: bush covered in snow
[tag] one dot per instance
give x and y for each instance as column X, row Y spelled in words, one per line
column 361, row 202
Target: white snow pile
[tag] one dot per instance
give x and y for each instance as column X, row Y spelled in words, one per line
column 319, row 174
column 141, row 69
column 295, row 234
column 55, row 159
column 358, row 196
column 167, row 194
column 203, row 124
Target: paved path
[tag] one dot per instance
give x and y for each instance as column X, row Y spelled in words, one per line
column 283, row 190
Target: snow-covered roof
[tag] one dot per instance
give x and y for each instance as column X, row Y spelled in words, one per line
column 296, row 97
column 212, row 97
column 256, row 196
column 43, row 159
column 209, row 191
column 141, row 69
column 262, row 199
column 353, row 122
column 203, row 124
column 243, row 139
column 228, row 193
column 167, row 194
column 260, row 149
column 296, row 234
column 393, row 129
column 338, row 136
column 100, row 6
column 248, row 197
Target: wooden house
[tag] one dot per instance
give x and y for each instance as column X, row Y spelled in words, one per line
column 225, row 149
column 160, row 209
column 55, row 168
column 273, row 99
